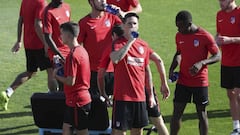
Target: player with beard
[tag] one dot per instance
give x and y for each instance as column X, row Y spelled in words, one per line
column 95, row 35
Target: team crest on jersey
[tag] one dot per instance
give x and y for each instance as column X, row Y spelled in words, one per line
column 232, row 19
column 107, row 23
column 67, row 13
column 196, row 42
column 140, row 49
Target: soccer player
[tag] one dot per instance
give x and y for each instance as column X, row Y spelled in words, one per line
column 29, row 23
column 228, row 38
column 76, row 82
column 127, row 6
column 193, row 45
column 56, row 13
column 131, row 59
column 154, row 112
column 96, row 37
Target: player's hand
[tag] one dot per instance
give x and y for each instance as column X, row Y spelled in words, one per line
column 152, row 101
column 223, row 40
column 165, row 91
column 16, row 47
column 196, row 68
column 107, row 100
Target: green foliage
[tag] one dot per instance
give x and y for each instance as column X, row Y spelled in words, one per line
column 157, row 27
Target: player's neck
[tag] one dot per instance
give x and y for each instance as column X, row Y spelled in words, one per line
column 97, row 14
column 72, row 44
column 231, row 7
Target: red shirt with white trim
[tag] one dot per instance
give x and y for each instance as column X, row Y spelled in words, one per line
column 77, row 65
column 129, row 73
column 194, row 48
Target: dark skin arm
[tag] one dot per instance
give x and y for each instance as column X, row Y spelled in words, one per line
column 198, row 66
column 175, row 63
column 52, row 45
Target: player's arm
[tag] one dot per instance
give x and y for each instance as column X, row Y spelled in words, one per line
column 51, row 44
column 161, row 70
column 118, row 55
column 149, row 86
column 224, row 40
column 175, row 62
column 137, row 9
column 212, row 59
column 101, row 82
column 18, row 43
column 69, row 80
column 38, row 29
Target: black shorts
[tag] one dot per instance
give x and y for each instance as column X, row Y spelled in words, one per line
column 109, row 79
column 184, row 94
column 230, row 77
column 154, row 111
column 77, row 116
column 128, row 115
column 36, row 59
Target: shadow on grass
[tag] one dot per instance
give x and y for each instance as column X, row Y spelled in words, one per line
column 191, row 116
column 14, row 114
column 22, row 132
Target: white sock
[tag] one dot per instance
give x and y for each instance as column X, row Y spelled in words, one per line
column 9, row 91
column 236, row 124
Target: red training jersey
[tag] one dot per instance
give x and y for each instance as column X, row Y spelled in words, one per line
column 125, row 5
column 129, row 73
column 29, row 11
column 194, row 48
column 77, row 65
column 95, row 34
column 228, row 24
column 106, row 62
column 53, row 18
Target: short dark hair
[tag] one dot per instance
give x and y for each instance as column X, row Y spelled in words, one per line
column 71, row 27
column 128, row 15
column 117, row 29
column 184, row 16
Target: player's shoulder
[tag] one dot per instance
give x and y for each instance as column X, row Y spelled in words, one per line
column 84, row 19
column 64, row 4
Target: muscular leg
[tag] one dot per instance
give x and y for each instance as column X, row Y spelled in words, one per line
column 233, row 96
column 203, row 119
column 176, row 118
column 67, row 129
column 118, row 132
column 159, row 124
column 136, row 131
column 52, row 82
column 21, row 78
column 234, row 102
column 82, row 132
